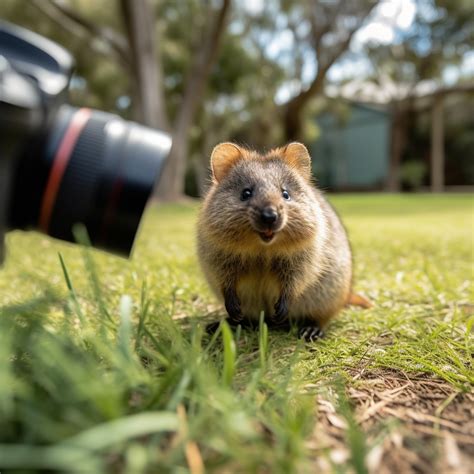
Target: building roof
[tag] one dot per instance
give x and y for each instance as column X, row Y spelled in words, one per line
column 382, row 92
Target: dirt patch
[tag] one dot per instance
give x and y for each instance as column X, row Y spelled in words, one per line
column 411, row 423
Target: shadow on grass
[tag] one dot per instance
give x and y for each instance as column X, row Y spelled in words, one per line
column 40, row 305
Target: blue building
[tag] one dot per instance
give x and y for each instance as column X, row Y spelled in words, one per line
column 353, row 151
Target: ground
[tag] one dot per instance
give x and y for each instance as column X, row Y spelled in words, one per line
column 106, row 367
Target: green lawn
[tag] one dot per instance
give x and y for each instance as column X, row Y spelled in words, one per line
column 91, row 381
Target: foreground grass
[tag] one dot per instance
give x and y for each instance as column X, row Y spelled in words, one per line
column 115, row 374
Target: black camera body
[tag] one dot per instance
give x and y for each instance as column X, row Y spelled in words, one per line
column 61, row 165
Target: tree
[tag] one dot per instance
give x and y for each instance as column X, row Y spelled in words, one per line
column 242, row 86
column 252, row 112
column 318, row 34
column 332, row 27
column 441, row 33
column 205, row 56
column 145, row 68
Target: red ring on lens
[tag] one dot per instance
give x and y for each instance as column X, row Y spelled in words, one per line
column 58, row 168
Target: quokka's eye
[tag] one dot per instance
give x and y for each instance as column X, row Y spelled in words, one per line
column 246, row 194
column 285, row 195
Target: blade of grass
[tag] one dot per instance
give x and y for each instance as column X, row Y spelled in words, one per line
column 263, row 340
column 229, row 354
column 72, row 292
column 82, row 238
column 355, row 437
column 64, row 458
column 125, row 333
column 144, row 307
column 117, row 431
column 213, row 340
column 178, row 394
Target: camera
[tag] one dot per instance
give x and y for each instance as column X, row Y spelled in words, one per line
column 61, row 165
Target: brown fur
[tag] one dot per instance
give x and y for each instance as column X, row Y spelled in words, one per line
column 304, row 273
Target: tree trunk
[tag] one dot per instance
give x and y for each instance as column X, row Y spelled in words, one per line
column 293, row 110
column 146, row 71
column 202, row 169
column 397, row 146
column 437, row 145
column 202, row 173
column 325, row 57
column 292, row 125
column 171, row 185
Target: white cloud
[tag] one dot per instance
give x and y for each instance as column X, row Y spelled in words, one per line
column 387, row 9
column 287, row 91
column 279, row 43
column 253, row 7
column 353, row 67
column 467, row 66
column 452, row 73
column 375, row 31
column 406, row 15
column 389, row 17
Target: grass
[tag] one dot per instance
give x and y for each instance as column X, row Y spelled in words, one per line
column 105, row 367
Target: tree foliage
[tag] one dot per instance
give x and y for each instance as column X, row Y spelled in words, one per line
column 209, row 71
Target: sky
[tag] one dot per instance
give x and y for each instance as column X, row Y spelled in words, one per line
column 388, row 18
column 387, row 22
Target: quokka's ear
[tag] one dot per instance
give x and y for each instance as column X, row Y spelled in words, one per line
column 297, row 157
column 223, row 158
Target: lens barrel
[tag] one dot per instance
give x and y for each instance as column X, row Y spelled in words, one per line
column 93, row 168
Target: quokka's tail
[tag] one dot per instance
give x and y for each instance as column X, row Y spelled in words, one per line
column 358, row 300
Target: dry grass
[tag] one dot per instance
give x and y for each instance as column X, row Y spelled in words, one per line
column 428, row 426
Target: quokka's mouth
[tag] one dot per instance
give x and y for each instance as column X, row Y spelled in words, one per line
column 267, row 235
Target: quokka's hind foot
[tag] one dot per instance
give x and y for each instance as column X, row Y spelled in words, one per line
column 310, row 333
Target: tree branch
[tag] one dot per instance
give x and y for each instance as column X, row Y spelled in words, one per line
column 146, row 67
column 318, row 81
column 466, row 88
column 112, row 37
column 81, row 27
column 318, row 33
column 201, row 68
column 172, row 180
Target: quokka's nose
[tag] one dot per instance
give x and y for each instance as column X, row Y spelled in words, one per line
column 269, row 215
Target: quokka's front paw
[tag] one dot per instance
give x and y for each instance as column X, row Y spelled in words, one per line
column 280, row 316
column 232, row 306
column 310, row 333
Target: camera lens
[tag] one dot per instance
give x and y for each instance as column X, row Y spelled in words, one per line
column 88, row 167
